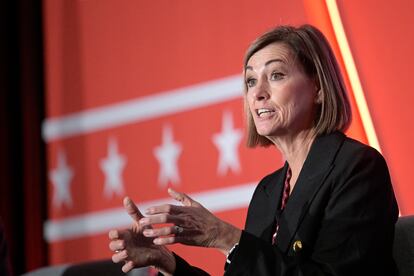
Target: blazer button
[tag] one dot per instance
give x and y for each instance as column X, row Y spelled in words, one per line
column 297, row 246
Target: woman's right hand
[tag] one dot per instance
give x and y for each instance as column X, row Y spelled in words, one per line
column 136, row 250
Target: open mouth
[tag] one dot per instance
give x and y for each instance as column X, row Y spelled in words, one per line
column 263, row 112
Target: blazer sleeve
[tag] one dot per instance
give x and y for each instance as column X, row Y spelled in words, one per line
column 355, row 232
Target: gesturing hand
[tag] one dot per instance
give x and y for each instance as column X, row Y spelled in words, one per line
column 136, row 250
column 192, row 225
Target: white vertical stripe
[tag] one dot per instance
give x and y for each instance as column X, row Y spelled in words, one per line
column 352, row 73
column 144, row 108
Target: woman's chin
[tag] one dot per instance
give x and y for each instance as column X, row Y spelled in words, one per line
column 267, row 132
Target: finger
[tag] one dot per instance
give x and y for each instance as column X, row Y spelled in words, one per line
column 165, row 240
column 164, row 209
column 164, row 231
column 172, row 240
column 160, row 219
column 117, row 245
column 118, row 234
column 120, row 256
column 113, row 234
column 128, row 266
column 183, row 198
column 132, row 209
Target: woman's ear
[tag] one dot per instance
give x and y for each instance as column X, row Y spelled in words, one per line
column 319, row 96
column 319, row 92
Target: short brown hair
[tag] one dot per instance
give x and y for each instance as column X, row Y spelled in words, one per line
column 316, row 57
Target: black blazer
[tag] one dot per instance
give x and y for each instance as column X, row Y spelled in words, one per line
column 339, row 219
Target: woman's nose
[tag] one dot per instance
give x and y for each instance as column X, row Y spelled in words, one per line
column 261, row 91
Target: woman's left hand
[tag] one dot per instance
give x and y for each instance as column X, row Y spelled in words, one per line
column 192, row 224
column 130, row 247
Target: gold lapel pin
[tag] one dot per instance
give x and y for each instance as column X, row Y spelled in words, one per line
column 297, row 246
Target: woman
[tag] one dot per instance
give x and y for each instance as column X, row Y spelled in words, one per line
column 330, row 210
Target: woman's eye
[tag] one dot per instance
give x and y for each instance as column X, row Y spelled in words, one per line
column 276, row 76
column 250, row 82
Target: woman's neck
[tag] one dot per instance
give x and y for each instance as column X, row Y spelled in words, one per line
column 295, row 149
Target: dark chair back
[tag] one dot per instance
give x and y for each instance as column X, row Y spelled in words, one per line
column 404, row 245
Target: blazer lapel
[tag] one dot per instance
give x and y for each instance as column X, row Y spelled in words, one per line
column 273, row 190
column 316, row 168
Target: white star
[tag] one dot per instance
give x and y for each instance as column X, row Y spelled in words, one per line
column 112, row 167
column 227, row 143
column 167, row 155
column 61, row 178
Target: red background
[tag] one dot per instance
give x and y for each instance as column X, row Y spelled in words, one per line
column 102, row 52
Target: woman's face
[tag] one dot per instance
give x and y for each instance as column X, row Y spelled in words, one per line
column 281, row 97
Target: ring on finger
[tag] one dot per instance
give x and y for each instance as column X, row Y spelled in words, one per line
column 178, row 229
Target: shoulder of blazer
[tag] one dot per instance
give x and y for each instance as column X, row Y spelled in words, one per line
column 354, row 154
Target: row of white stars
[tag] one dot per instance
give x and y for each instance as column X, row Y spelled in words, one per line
column 167, row 154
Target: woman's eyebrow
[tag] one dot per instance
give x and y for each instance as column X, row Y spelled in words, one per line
column 274, row 60
column 267, row 63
